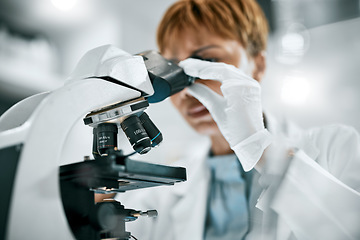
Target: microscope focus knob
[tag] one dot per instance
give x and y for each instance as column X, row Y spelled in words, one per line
column 149, row 213
column 105, row 216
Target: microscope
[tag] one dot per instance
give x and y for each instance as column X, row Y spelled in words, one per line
column 109, row 91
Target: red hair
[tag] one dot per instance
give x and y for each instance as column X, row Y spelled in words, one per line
column 241, row 20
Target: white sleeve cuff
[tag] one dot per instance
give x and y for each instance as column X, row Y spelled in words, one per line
column 250, row 150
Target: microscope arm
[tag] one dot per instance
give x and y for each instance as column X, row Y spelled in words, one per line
column 20, row 112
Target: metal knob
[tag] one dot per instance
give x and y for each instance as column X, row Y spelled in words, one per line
column 149, row 213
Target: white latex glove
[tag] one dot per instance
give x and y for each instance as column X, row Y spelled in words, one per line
column 238, row 113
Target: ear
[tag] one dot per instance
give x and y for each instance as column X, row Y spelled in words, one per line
column 259, row 66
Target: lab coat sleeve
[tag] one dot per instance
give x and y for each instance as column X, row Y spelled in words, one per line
column 320, row 199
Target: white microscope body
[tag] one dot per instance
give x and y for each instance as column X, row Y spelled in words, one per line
column 39, row 125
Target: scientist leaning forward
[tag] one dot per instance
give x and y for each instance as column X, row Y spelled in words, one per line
column 230, row 193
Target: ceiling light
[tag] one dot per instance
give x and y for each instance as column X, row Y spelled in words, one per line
column 64, row 5
column 293, row 43
column 295, row 90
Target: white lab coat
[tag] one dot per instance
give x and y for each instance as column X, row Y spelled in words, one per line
column 318, row 197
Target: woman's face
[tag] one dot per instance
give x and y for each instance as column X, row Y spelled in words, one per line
column 207, row 46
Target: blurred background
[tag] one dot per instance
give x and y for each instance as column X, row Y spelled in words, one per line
column 313, row 55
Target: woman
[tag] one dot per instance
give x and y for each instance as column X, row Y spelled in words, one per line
column 224, row 197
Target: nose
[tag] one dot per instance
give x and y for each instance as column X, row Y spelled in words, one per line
column 184, row 93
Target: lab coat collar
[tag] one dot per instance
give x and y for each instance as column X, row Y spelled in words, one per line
column 190, row 210
column 294, row 137
column 299, row 139
column 194, row 160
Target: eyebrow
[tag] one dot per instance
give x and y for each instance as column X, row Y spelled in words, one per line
column 196, row 52
column 203, row 49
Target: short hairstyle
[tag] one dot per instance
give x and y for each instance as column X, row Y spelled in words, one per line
column 241, row 20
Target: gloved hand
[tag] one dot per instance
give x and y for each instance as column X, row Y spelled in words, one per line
column 238, row 113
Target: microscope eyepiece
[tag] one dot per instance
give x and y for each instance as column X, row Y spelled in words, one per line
column 167, row 77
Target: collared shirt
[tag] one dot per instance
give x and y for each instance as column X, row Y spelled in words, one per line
column 227, row 213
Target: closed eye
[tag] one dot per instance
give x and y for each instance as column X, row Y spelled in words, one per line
column 204, row 59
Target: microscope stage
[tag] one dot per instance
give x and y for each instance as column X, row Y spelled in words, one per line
column 119, row 175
